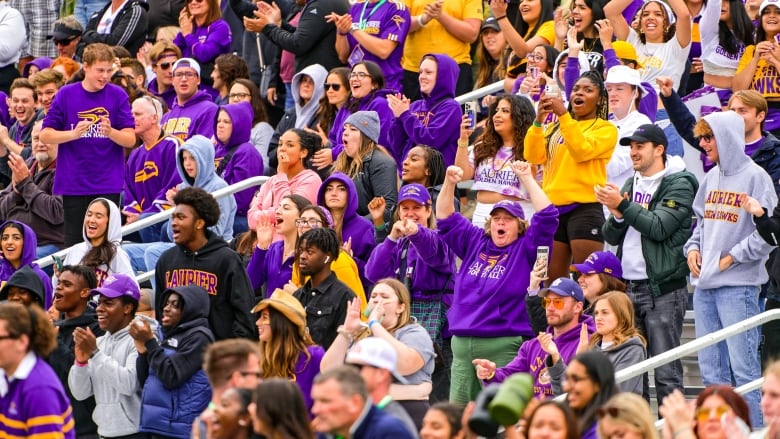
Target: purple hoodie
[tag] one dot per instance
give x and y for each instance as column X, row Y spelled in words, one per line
column 196, row 116
column 531, row 358
column 267, row 266
column 359, row 229
column 205, row 44
column 376, row 101
column 29, row 249
column 42, row 63
column 491, row 286
column 246, row 161
column 433, row 120
column 430, row 264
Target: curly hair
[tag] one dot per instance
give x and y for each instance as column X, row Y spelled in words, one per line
column 489, row 142
column 203, row 203
column 31, row 322
column 231, row 67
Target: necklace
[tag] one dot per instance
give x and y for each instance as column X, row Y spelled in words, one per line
column 494, row 170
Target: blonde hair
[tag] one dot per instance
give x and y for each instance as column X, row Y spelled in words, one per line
column 404, row 298
column 630, row 410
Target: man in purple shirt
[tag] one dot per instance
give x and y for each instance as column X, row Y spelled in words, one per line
column 92, row 123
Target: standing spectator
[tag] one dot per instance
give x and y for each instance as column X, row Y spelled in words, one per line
column 193, row 111
column 84, row 9
column 175, row 387
column 149, row 174
column 71, row 300
column 589, row 382
column 120, row 23
column 442, row 27
column 435, row 118
column 535, row 28
column 284, row 415
column 39, row 17
column 67, row 34
column 92, row 122
column 378, row 36
column 202, row 258
column 726, row 255
column 312, row 39
column 244, row 90
column 653, row 222
column 105, row 366
column 29, row 199
column 337, row 94
column 135, row 73
column 204, row 34
column 34, row 403
column 227, row 68
column 17, row 139
column 47, row 83
column 163, row 56
column 14, row 39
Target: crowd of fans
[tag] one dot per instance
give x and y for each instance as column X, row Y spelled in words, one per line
column 358, row 293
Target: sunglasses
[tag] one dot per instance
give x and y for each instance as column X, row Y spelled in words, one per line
column 612, row 412
column 63, row 42
column 707, row 138
column 334, row 86
column 705, row 414
column 163, row 65
column 557, row 302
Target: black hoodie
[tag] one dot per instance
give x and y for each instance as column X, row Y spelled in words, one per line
column 219, row 270
column 27, row 279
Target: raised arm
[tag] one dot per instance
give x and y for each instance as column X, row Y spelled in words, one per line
column 614, row 13
column 445, row 204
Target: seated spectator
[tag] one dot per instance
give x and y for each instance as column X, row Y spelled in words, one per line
column 25, row 287
column 425, row 165
column 718, row 409
column 34, row 403
column 29, row 198
column 204, row 34
column 552, row 415
column 284, row 415
column 148, row 174
column 244, row 90
column 231, row 416
column 492, row 50
column 193, row 111
column 599, row 273
column 589, row 383
column 66, row 35
column 135, row 72
column 371, row 168
column 175, row 387
column 443, row 421
column 101, row 248
column 105, row 366
column 337, row 94
column 36, row 65
column 162, row 57
column 625, row 414
column 120, row 23
column 67, row 67
column 237, row 159
column 23, row 104
column 71, row 299
column 47, row 83
column 18, row 246
column 227, row 68
column 286, row 348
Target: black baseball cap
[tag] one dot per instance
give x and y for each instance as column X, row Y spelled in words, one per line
column 62, row 32
column 646, row 133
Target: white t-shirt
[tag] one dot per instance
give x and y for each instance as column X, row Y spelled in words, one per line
column 620, row 166
column 107, row 20
column 660, row 59
column 714, row 58
column 496, row 175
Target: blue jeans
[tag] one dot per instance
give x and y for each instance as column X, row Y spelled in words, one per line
column 45, row 250
column 675, row 141
column 734, row 361
column 289, row 100
column 143, row 257
column 151, row 233
column 85, row 8
column 240, row 225
column 660, row 319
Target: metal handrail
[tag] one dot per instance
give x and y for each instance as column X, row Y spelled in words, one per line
column 162, row 216
column 480, row 92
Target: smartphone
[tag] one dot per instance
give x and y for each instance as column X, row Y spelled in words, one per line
column 552, row 90
column 470, row 110
column 543, row 256
column 57, row 262
column 534, row 72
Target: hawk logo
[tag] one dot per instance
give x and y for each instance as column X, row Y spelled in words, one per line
column 398, row 20
column 150, row 170
column 93, row 116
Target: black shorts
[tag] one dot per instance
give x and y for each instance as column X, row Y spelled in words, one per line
column 584, row 222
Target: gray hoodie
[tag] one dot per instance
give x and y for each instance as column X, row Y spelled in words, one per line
column 722, row 226
column 111, row 376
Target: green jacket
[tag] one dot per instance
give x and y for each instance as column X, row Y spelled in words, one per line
column 665, row 226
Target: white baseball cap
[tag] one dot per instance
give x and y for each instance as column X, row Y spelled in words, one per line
column 376, row 352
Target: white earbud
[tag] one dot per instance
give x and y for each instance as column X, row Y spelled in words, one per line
column 327, row 259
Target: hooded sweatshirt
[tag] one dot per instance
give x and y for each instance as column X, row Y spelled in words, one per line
column 149, row 175
column 120, row 263
column 723, row 227
column 175, row 387
column 205, row 43
column 491, row 286
column 353, row 227
column 220, row 271
column 245, row 161
column 110, row 375
column 196, row 116
column 433, row 120
column 532, row 359
column 628, row 353
column 29, row 248
column 374, row 101
column 207, row 179
column 27, row 279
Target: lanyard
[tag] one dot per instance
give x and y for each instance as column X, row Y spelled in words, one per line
column 362, row 22
column 384, row 402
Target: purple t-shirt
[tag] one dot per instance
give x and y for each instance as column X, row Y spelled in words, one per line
column 386, row 20
column 92, row 164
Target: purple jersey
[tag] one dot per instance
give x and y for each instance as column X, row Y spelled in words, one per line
column 386, row 20
column 150, row 173
column 92, row 164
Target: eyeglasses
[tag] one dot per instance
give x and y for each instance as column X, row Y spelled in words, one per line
column 163, row 65
column 246, row 373
column 237, row 96
column 359, row 75
column 63, row 42
column 7, row 337
column 557, row 302
column 705, row 414
column 706, row 137
column 535, row 57
column 187, row 75
column 335, row 86
column 313, row 223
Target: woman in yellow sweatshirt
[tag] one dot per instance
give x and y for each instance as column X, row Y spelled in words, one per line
column 574, row 152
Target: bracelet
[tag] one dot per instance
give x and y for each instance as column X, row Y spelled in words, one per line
column 341, row 330
column 371, row 323
column 420, row 20
column 537, row 124
column 80, row 364
column 501, row 17
column 491, row 376
column 463, row 144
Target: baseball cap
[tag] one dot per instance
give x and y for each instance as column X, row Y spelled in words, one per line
column 601, row 262
column 564, row 287
column 414, row 192
column 63, row 32
column 376, row 352
column 490, row 23
column 646, row 133
column 186, row 62
column 626, row 50
column 513, row 207
column 118, row 285
column 625, row 75
column 766, row 3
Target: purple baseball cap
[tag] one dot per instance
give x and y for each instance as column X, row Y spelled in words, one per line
column 513, row 207
column 601, row 262
column 117, row 285
column 414, row 192
column 564, row 287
